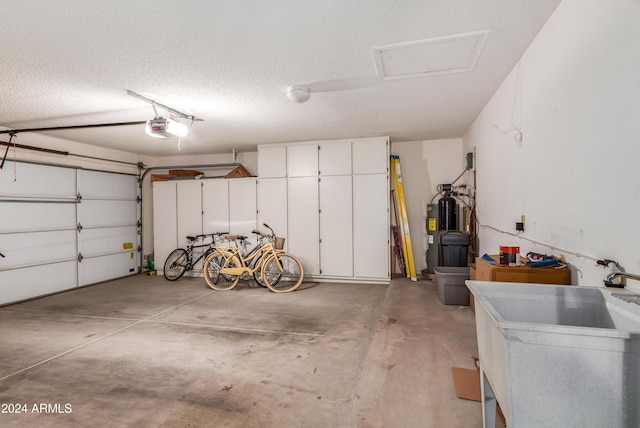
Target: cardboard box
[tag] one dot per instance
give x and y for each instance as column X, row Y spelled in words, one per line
column 238, row 172
column 184, row 172
column 486, row 271
column 467, row 384
column 160, row 177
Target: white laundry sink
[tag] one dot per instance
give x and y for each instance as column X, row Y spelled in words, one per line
column 555, row 355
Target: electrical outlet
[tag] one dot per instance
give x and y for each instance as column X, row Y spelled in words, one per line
column 520, row 224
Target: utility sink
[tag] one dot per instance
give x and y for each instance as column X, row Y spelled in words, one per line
column 555, row 355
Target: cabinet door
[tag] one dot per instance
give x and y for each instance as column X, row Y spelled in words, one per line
column 336, row 243
column 272, row 162
column 215, row 206
column 242, row 206
column 303, row 234
column 370, row 156
column 335, row 158
column 371, row 226
column 272, row 205
column 189, row 208
column 302, row 160
column 165, row 221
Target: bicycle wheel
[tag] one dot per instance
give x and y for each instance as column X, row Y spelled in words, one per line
column 282, row 272
column 257, row 275
column 213, row 264
column 176, row 264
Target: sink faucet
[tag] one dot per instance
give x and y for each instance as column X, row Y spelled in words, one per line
column 608, row 280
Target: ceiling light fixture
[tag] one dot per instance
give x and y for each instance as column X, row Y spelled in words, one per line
column 298, row 94
column 159, row 127
column 165, row 128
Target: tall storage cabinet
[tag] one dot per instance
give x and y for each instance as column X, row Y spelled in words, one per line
column 337, row 205
column 336, row 209
column 302, row 205
column 165, row 220
column 371, row 208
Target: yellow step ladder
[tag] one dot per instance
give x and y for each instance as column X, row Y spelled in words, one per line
column 402, row 217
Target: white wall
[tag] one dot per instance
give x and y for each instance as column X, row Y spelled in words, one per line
column 576, row 96
column 425, row 164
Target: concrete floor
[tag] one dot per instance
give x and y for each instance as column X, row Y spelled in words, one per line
column 143, row 351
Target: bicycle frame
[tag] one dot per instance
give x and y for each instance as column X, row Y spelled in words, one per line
column 266, row 250
column 202, row 254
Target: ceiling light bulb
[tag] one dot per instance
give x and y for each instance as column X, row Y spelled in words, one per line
column 298, row 94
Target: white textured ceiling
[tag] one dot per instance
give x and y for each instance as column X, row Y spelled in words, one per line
column 70, row 62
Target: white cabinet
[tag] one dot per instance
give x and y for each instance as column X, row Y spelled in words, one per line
column 302, row 160
column 165, row 221
column 194, row 207
column 272, row 205
column 370, row 156
column 303, row 226
column 177, row 213
column 242, row 206
column 189, row 209
column 215, row 206
column 336, row 240
column 334, row 158
column 272, row 161
column 371, row 226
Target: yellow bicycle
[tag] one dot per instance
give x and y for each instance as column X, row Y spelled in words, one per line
column 278, row 270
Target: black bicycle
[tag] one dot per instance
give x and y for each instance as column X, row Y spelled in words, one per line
column 182, row 260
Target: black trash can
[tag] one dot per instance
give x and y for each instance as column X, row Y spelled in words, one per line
column 454, row 246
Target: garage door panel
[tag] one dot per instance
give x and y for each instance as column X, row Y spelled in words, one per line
column 107, row 213
column 109, row 267
column 22, row 249
column 20, row 284
column 106, row 185
column 107, row 240
column 38, row 180
column 21, row 216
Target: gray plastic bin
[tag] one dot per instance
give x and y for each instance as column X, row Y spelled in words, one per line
column 452, row 289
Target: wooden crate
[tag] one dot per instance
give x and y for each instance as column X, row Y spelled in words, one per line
column 485, row 271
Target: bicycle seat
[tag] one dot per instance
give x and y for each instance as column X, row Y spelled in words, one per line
column 192, row 238
column 234, row 237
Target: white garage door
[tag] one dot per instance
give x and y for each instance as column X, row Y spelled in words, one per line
column 62, row 228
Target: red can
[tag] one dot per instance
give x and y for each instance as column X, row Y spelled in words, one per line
column 510, row 256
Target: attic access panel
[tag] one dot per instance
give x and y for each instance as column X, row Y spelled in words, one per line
column 440, row 55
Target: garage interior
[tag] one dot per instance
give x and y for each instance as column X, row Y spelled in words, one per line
column 289, row 112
